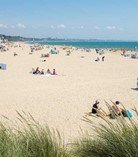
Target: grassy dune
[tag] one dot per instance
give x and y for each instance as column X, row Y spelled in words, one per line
column 114, row 138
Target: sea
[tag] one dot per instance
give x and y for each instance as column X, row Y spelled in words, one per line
column 96, row 44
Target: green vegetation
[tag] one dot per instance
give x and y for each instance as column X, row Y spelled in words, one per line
column 32, row 140
column 112, row 138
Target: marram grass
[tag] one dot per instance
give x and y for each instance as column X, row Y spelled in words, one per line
column 32, row 140
column 112, row 138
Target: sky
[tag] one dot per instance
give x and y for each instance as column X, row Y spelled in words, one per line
column 81, row 19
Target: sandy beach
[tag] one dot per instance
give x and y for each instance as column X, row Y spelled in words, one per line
column 61, row 101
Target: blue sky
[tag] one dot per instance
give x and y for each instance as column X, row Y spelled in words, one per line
column 85, row 19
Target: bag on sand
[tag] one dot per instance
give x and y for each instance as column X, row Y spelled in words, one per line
column 127, row 113
column 112, row 116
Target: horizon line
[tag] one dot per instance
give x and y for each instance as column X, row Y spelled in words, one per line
column 56, row 38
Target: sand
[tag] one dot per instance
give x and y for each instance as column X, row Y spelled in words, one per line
column 61, row 101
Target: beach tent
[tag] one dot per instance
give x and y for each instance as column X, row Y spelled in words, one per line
column 3, row 66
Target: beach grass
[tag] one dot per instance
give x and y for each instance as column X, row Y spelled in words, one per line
column 111, row 138
column 31, row 140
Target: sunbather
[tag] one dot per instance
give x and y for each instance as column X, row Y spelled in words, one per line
column 96, row 110
column 37, row 71
column 117, row 109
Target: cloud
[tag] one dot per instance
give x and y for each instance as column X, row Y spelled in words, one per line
column 20, row 25
column 61, row 26
column 3, row 26
column 111, row 27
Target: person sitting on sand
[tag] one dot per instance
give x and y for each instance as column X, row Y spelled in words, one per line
column 54, row 72
column 96, row 110
column 117, row 109
column 37, row 71
column 48, row 71
column 68, row 52
column 98, row 59
column 95, row 107
column 15, row 54
column 42, row 72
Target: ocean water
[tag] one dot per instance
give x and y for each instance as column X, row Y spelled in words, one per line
column 99, row 44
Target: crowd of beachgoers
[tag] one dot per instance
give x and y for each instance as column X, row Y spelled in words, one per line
column 115, row 110
column 42, row 72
